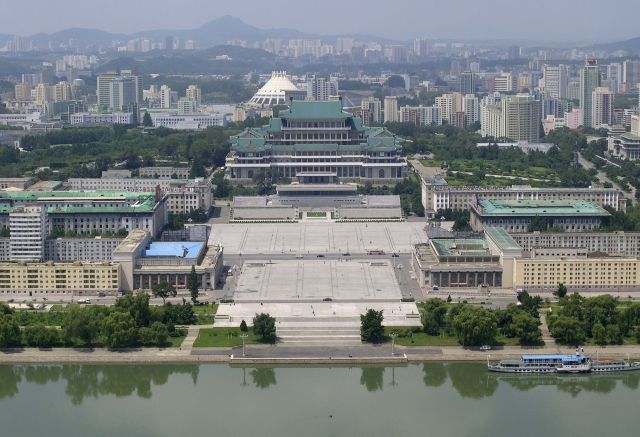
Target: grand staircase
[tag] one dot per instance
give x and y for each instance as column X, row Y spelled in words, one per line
column 329, row 331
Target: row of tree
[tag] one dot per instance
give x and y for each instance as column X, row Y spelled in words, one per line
column 476, row 326
column 601, row 319
column 130, row 322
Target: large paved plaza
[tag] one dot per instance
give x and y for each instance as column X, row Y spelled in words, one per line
column 315, row 280
column 317, row 238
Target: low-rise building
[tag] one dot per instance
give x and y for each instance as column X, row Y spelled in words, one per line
column 620, row 244
column 578, row 274
column 15, row 183
column 518, row 215
column 437, row 194
column 54, row 278
column 496, row 260
column 87, row 213
column 197, row 121
column 183, row 195
column 145, row 263
column 164, row 172
column 98, row 119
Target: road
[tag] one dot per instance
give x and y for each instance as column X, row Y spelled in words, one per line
column 602, row 178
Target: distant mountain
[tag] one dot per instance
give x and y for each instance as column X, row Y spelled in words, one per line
column 216, row 32
column 632, row 46
column 222, row 30
column 83, row 37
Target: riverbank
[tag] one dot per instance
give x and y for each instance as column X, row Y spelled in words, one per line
column 299, row 355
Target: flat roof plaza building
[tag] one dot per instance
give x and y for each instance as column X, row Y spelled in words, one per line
column 339, row 202
column 317, row 137
column 517, row 215
column 498, row 261
column 145, row 263
column 437, row 194
column 183, row 195
column 91, row 212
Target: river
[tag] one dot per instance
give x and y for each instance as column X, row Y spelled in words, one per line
column 435, row 399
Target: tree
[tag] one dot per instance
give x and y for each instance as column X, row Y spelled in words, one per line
column 137, row 305
column 119, row 330
column 527, row 329
column 164, row 290
column 243, row 326
column 264, row 326
column 614, row 335
column 475, row 326
column 561, row 291
column 567, row 330
column 9, row 331
column 599, row 334
column 83, row 324
column 264, row 181
column 371, row 328
column 146, row 120
column 40, row 336
column 192, row 284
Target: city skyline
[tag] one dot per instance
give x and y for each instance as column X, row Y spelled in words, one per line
column 472, row 25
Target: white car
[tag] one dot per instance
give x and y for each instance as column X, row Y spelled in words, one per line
column 485, row 348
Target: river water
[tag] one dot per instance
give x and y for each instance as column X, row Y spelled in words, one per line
column 441, row 399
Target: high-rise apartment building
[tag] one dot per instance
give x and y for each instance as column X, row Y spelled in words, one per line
column 391, row 109
column 589, row 81
column 505, row 83
column 602, row 107
column 515, row 117
column 62, row 92
column 450, row 104
column 23, row 91
column 471, row 109
column 555, row 81
column 420, row 48
column 320, row 88
column 128, row 90
column 165, row 97
column 374, row 107
column 28, row 227
column 630, row 74
column 467, row 83
column 522, row 115
column 194, row 93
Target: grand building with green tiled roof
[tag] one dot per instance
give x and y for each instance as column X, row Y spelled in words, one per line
column 317, row 138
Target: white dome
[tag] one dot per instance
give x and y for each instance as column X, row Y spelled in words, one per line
column 273, row 92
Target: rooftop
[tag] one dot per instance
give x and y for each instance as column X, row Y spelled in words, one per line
column 315, row 110
column 460, row 247
column 540, row 208
column 502, row 238
column 181, row 249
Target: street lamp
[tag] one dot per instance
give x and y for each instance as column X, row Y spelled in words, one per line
column 393, row 336
column 244, row 337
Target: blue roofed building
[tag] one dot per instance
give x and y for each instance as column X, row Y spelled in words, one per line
column 317, row 138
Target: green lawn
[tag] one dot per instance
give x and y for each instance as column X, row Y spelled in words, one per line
column 223, row 337
column 205, row 314
column 431, row 162
column 423, row 339
column 177, row 341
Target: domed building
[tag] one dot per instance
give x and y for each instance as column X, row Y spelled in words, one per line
column 276, row 91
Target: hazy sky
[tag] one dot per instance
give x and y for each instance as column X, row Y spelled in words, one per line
column 547, row 20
